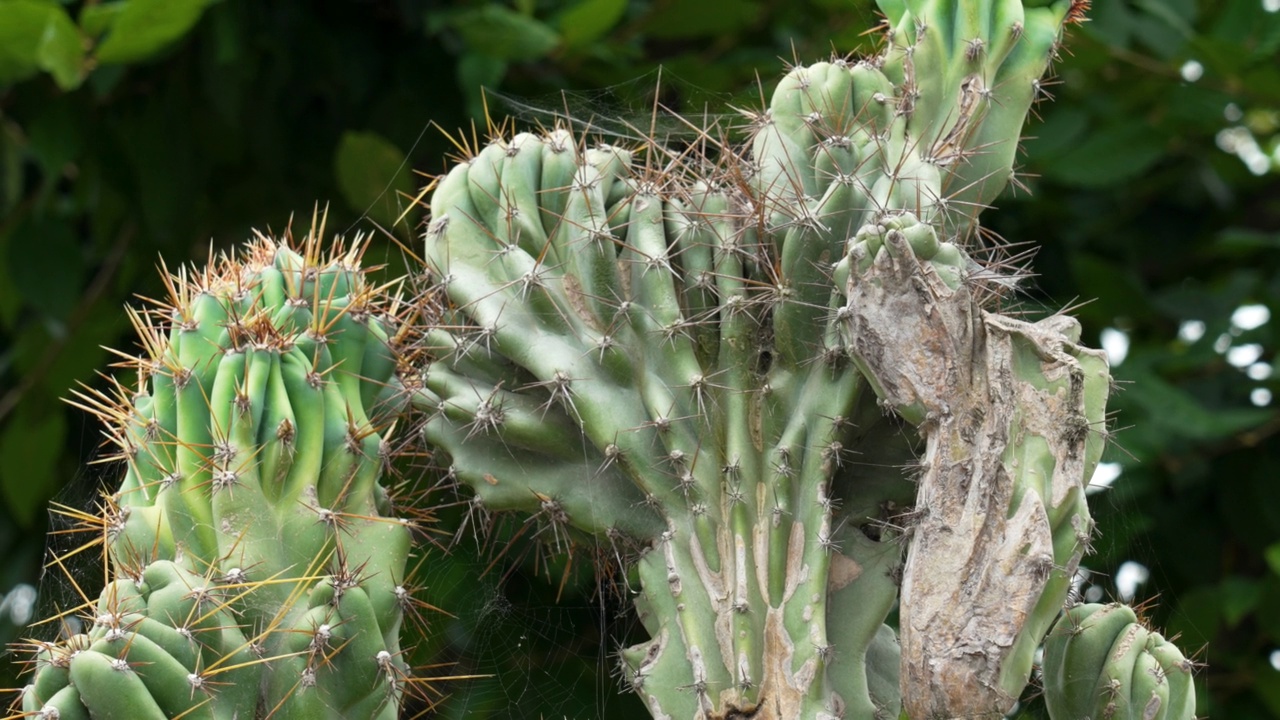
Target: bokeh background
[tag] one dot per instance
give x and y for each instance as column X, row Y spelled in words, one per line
column 135, row 129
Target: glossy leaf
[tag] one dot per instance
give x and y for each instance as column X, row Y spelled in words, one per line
column 30, row 445
column 373, row 176
column 505, row 34
column 588, row 20
column 37, row 36
column 143, row 28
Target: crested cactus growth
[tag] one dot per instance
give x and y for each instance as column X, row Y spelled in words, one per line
column 256, row 565
column 683, row 353
column 1101, row 662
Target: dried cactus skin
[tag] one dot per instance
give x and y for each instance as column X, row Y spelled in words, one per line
column 1100, row 661
column 257, row 566
column 1013, row 416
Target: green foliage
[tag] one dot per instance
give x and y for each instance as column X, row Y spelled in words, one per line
column 240, row 126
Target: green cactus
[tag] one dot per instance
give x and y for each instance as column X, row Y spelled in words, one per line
column 256, row 565
column 1101, row 662
column 682, row 354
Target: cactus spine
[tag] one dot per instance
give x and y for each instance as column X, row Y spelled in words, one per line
column 681, row 352
column 256, row 565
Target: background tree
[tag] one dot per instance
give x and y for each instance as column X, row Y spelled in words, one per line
column 140, row 128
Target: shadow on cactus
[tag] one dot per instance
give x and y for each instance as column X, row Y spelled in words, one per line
column 255, row 562
column 688, row 355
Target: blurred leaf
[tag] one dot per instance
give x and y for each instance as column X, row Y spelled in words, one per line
column 62, row 51
column 587, row 21
column 1110, row 22
column 1172, row 27
column 1059, row 131
column 1273, row 558
column 505, row 34
column 373, row 175
column 1104, row 278
column 12, row 146
column 1109, row 155
column 1267, row 686
column 30, row 445
column 1239, row 598
column 697, row 19
column 1247, row 240
column 45, row 266
column 56, row 135
column 477, row 71
column 164, row 169
column 1178, row 411
column 143, row 28
column 97, row 18
column 38, row 36
column 1196, row 618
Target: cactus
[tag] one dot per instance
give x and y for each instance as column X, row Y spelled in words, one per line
column 682, row 355
column 256, row 565
column 1101, row 662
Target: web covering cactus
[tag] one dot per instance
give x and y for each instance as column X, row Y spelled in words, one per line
column 256, row 564
column 680, row 353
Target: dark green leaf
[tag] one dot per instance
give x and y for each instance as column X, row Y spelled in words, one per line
column 1111, row 22
column 30, row 444
column 373, row 176
column 1109, row 155
column 1239, row 598
column 45, row 266
column 57, row 135
column 589, row 20
column 696, row 19
column 1266, row 685
column 1176, row 17
column 477, row 71
column 143, row 28
column 1060, row 130
column 12, row 145
column 1183, row 415
column 505, row 34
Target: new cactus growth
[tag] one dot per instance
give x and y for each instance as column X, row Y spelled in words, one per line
column 1101, row 662
column 680, row 353
column 256, row 564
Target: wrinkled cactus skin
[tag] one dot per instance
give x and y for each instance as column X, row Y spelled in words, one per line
column 255, row 563
column 685, row 356
column 1101, row 662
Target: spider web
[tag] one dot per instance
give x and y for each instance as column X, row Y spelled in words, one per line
column 658, row 105
column 73, row 549
column 535, row 656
